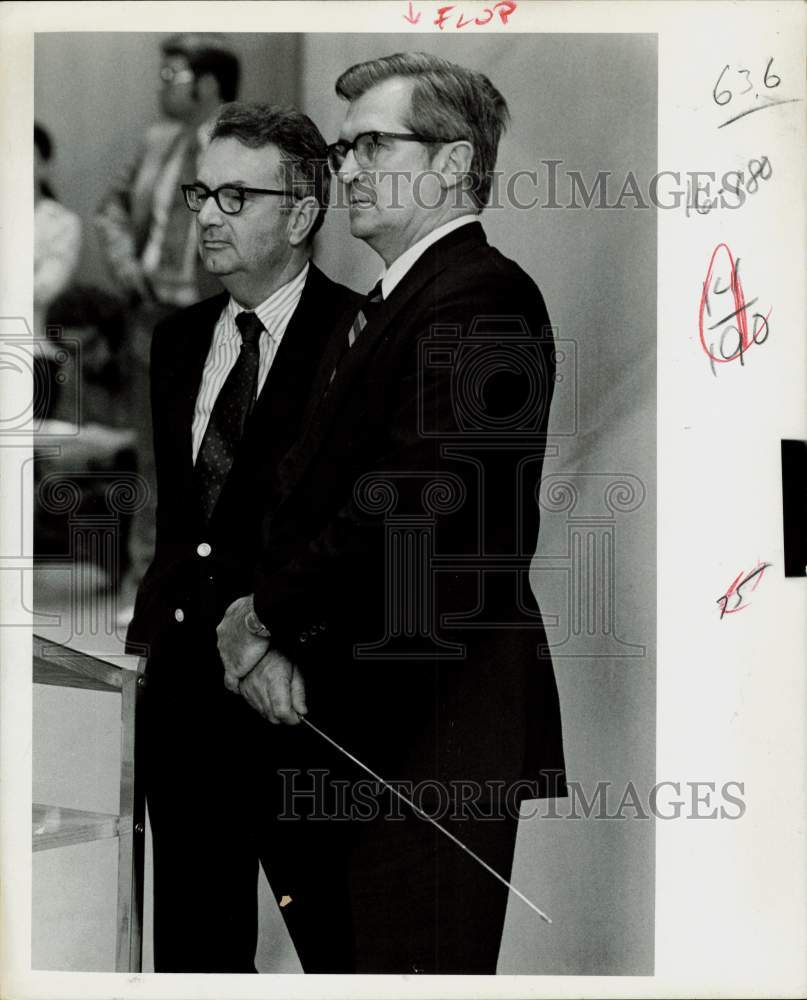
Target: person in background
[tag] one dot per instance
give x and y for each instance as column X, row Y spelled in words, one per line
column 142, row 223
column 78, row 397
column 57, row 233
column 92, row 324
column 148, row 241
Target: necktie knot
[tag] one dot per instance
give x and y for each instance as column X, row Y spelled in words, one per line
column 374, row 296
column 249, row 326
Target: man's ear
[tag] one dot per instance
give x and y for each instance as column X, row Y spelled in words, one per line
column 302, row 217
column 453, row 162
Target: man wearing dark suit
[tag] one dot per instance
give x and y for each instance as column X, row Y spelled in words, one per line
column 393, row 587
column 229, row 379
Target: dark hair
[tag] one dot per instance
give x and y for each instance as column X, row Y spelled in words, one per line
column 207, row 54
column 447, row 101
column 44, row 143
column 88, row 306
column 295, row 135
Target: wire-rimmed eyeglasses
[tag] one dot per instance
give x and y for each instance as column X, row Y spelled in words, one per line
column 366, row 146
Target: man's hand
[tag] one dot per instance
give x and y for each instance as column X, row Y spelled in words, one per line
column 239, row 649
column 275, row 689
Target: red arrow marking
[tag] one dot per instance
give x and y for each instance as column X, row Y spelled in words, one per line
column 410, row 16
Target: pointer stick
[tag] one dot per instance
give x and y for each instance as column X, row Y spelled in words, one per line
column 425, row 816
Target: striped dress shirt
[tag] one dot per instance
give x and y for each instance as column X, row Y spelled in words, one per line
column 275, row 314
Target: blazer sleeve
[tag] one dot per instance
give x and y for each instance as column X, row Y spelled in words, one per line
column 162, row 376
column 114, row 219
column 56, row 252
column 312, row 593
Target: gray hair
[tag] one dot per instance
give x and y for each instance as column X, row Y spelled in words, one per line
column 447, row 101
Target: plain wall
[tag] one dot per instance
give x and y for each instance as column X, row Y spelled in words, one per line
column 589, row 101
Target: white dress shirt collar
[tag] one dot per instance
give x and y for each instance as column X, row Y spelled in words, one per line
column 401, row 265
column 277, row 307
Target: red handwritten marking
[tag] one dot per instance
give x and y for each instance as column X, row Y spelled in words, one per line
column 731, row 590
column 508, row 7
column 735, row 589
column 739, row 302
column 504, row 8
column 441, row 16
column 740, row 309
column 410, row 17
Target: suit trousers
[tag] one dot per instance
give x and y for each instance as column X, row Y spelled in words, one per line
column 420, row 904
column 210, row 770
column 384, row 894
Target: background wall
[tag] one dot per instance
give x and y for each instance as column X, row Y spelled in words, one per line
column 589, row 101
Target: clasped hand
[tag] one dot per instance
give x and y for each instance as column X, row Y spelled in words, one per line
column 269, row 682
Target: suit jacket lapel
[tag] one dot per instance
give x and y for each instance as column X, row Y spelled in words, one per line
column 275, row 422
column 330, row 396
column 287, row 376
column 191, row 354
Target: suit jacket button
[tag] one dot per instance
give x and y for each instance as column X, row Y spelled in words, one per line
column 203, row 550
column 179, row 615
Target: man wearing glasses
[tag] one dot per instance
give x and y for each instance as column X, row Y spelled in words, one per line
column 229, row 380
column 393, row 586
column 147, row 236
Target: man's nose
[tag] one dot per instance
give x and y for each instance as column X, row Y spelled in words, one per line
column 209, row 214
column 349, row 168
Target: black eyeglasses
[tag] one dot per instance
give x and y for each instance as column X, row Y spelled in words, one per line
column 366, row 145
column 229, row 198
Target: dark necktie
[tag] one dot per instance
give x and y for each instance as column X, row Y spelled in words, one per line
column 365, row 314
column 367, row 310
column 232, row 407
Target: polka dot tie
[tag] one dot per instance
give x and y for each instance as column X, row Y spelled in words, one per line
column 232, row 407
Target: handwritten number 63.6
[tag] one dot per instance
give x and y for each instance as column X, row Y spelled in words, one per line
column 723, row 97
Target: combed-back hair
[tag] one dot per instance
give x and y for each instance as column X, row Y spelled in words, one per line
column 448, row 102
